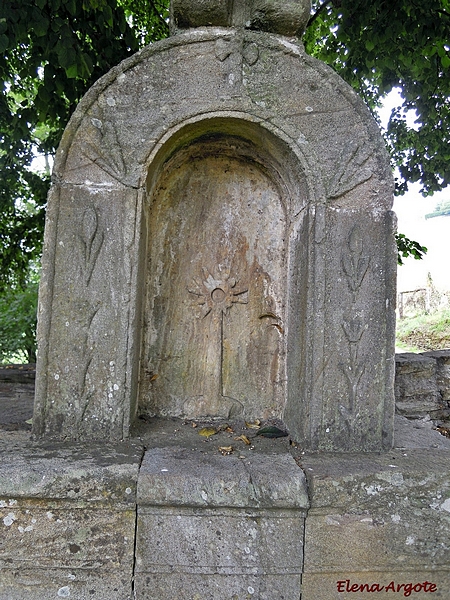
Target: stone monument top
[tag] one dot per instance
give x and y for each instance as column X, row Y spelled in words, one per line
column 284, row 17
column 219, row 242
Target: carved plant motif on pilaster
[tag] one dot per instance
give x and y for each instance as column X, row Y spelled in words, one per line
column 351, row 170
column 104, row 148
column 87, row 312
column 355, row 265
column 354, row 262
column 91, row 240
column 354, row 329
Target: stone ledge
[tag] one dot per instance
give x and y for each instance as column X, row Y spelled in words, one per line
column 82, row 474
column 188, row 477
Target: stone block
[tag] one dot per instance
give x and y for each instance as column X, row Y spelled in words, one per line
column 94, row 475
column 376, row 519
column 82, row 584
column 228, row 533
column 67, row 521
column 220, row 587
column 226, row 541
column 219, row 553
column 442, row 358
column 182, row 476
column 416, row 388
column 286, row 17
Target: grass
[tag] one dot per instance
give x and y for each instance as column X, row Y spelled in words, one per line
column 424, row 332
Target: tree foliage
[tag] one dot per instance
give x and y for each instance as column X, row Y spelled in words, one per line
column 18, row 308
column 53, row 50
column 407, row 247
column 376, row 46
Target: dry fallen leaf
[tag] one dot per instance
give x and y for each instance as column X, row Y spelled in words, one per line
column 255, row 425
column 225, row 450
column 244, row 439
column 207, row 432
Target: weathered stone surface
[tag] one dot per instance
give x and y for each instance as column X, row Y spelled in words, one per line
column 442, row 358
column 183, row 476
column 220, row 587
column 83, row 584
column 96, row 475
column 285, row 17
column 222, row 542
column 275, row 301
column 377, row 519
column 418, row 433
column 17, row 384
column 416, row 388
column 214, row 343
column 67, row 520
column 45, row 536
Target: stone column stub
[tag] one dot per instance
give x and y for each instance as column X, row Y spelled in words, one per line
column 284, row 17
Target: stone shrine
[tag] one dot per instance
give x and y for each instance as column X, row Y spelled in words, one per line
column 219, row 255
column 220, row 242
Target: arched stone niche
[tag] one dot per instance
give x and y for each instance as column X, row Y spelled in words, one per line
column 210, row 128
column 224, row 206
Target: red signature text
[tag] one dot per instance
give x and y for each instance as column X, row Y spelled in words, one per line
column 405, row 588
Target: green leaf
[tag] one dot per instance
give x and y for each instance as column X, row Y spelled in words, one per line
column 4, row 42
column 71, row 6
column 445, row 60
column 41, row 26
column 271, row 432
column 66, row 56
column 72, row 71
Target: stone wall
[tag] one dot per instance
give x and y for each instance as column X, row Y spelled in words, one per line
column 422, row 384
column 16, row 396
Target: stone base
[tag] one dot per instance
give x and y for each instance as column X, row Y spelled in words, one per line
column 186, row 523
column 379, row 523
column 228, row 538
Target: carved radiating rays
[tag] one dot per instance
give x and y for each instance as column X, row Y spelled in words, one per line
column 351, row 170
column 217, row 295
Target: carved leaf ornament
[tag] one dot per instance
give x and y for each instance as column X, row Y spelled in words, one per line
column 354, row 263
column 105, row 150
column 91, row 242
column 351, row 171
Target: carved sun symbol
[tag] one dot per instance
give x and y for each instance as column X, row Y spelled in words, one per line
column 218, row 295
